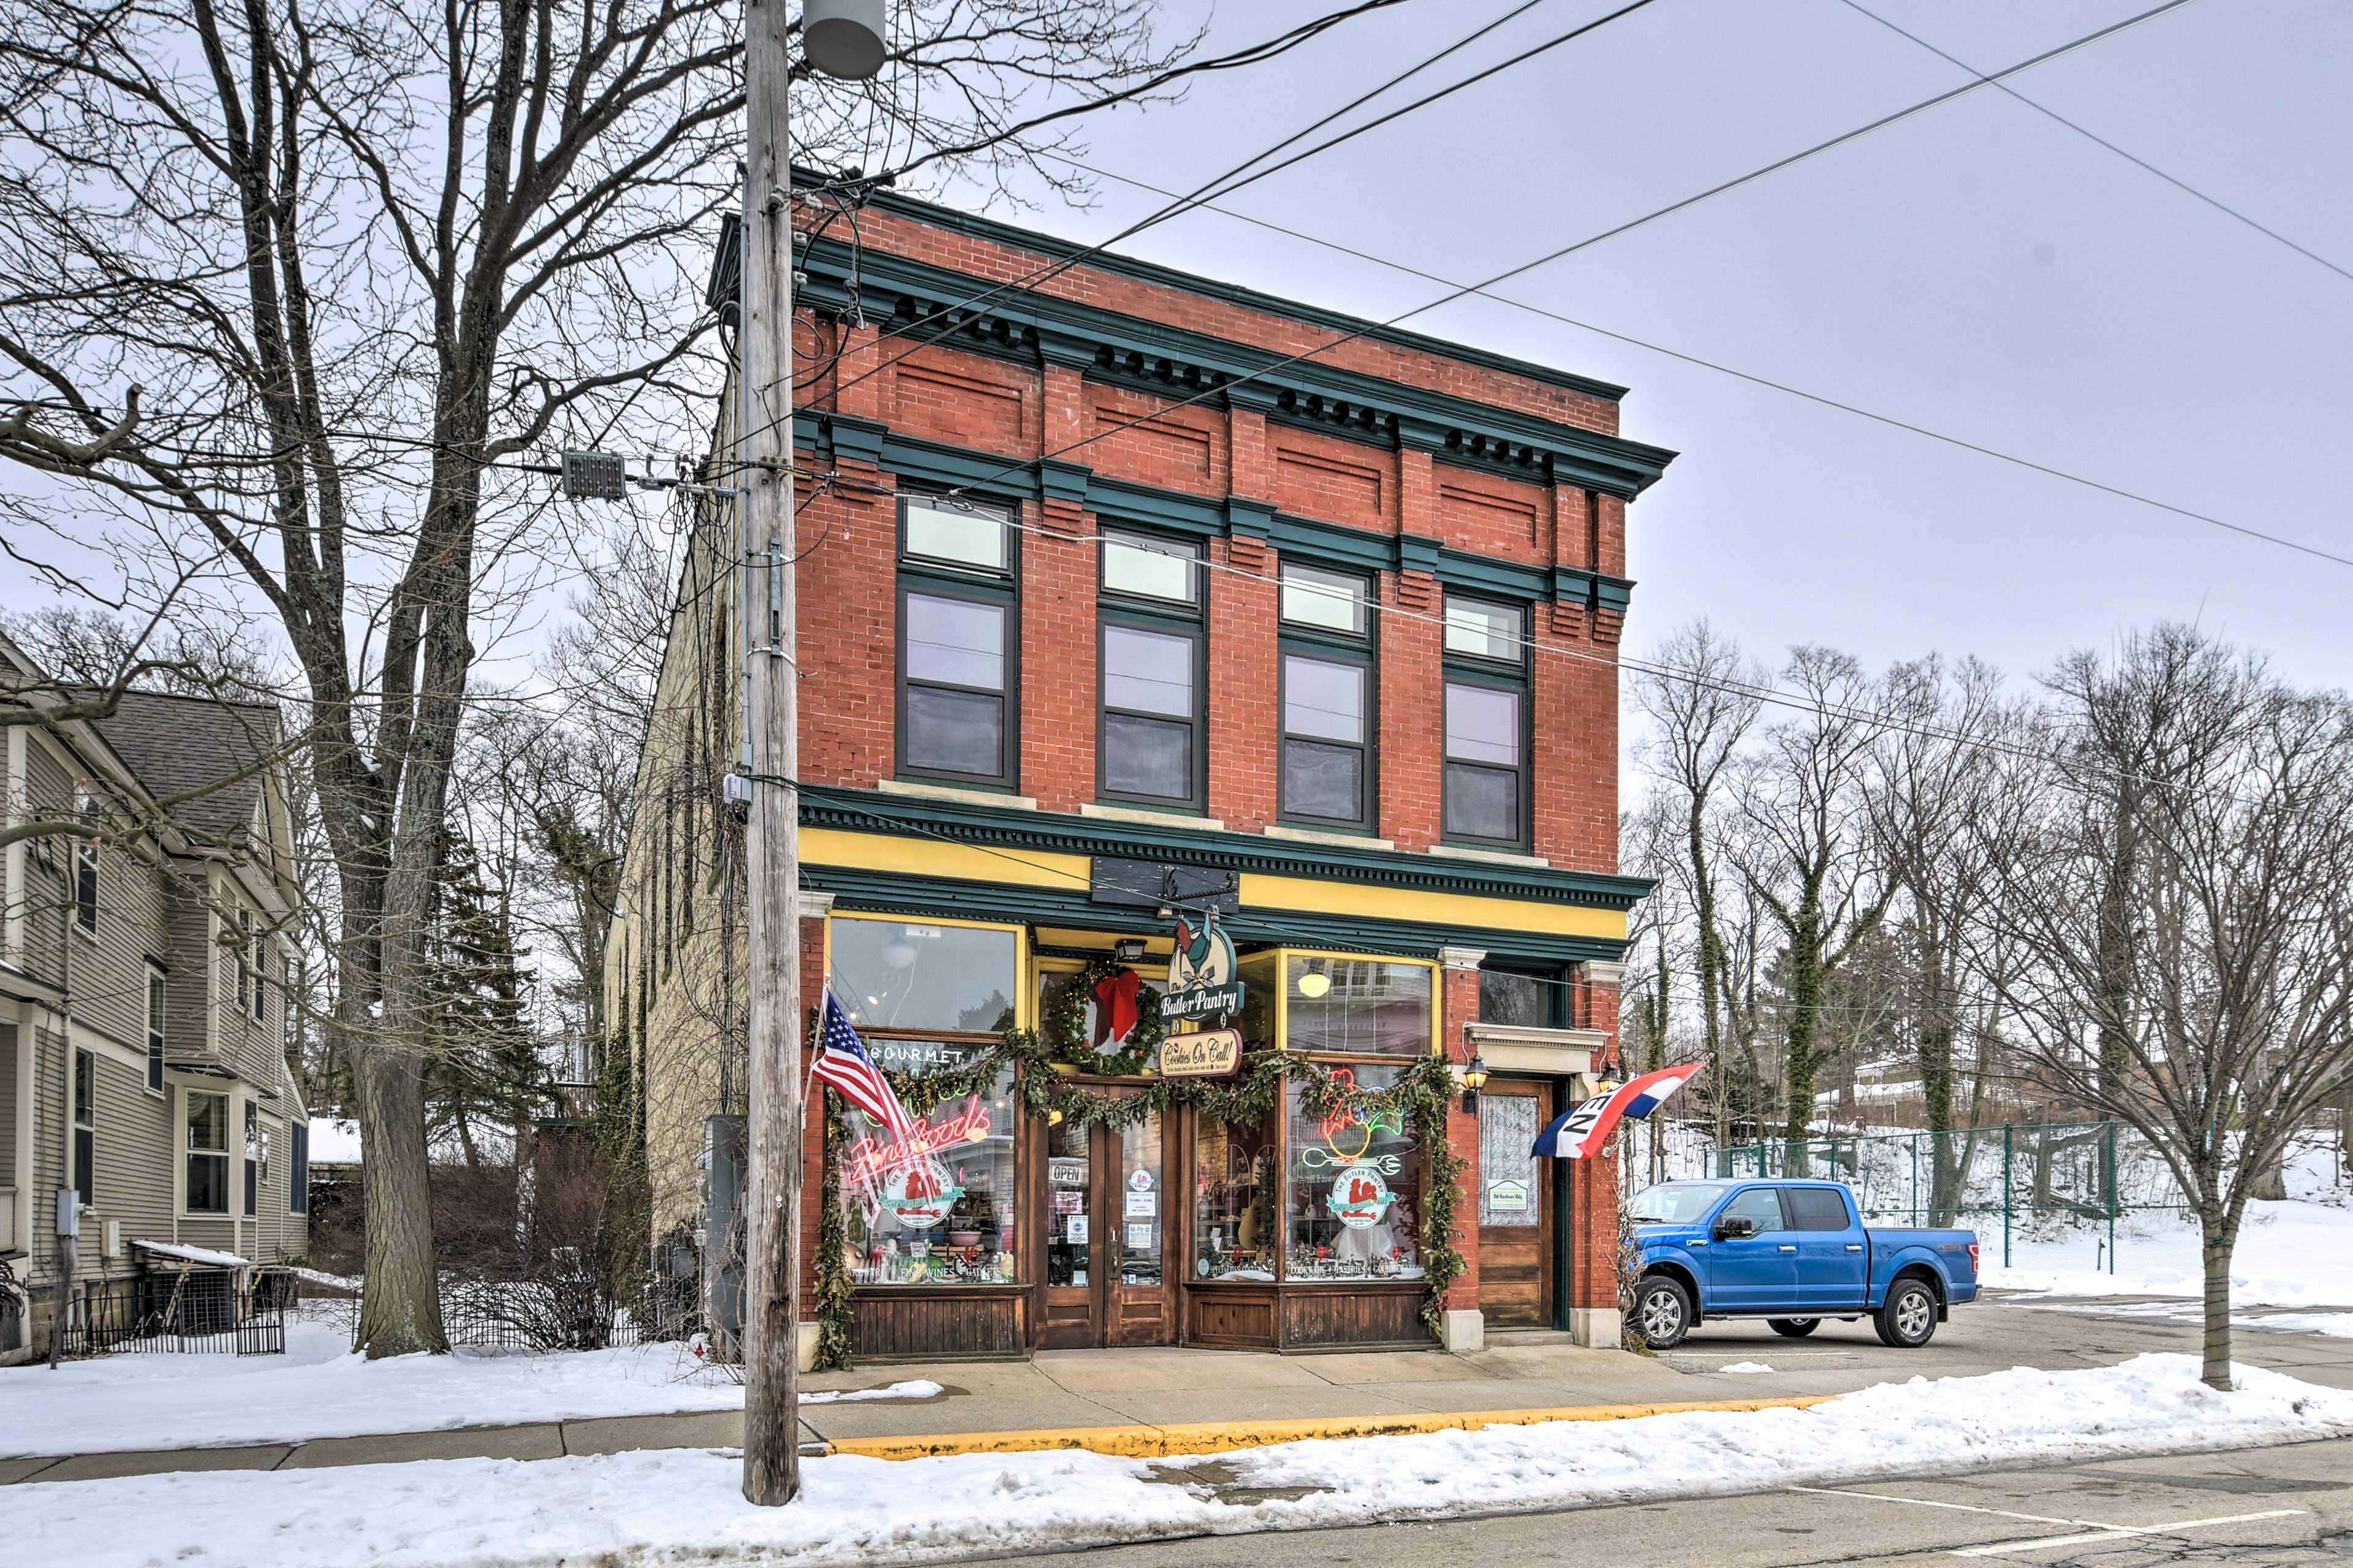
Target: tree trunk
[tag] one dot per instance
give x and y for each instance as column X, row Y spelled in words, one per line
column 2216, row 1238
column 400, row 1309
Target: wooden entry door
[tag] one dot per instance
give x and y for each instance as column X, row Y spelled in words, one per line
column 1109, row 1279
column 1517, row 1253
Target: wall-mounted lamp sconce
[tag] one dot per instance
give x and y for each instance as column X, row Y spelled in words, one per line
column 1474, row 1078
column 1127, row 949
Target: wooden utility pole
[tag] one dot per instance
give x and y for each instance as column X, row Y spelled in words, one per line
column 763, row 483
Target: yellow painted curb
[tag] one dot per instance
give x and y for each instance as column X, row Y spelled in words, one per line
column 1218, row 1436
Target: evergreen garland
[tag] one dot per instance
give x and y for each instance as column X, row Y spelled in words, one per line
column 1044, row 1085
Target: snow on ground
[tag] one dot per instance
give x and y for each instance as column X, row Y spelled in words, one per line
column 1745, row 1366
column 662, row 1506
column 2293, row 1253
column 319, row 1389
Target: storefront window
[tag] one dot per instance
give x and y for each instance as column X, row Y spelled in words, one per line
column 1233, row 1201
column 1354, row 1193
column 1362, row 1005
column 907, row 974
column 939, row 1208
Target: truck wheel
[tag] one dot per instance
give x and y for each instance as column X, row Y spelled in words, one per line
column 1908, row 1317
column 1793, row 1327
column 1661, row 1312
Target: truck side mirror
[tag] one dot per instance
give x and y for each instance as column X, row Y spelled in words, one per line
column 1733, row 1227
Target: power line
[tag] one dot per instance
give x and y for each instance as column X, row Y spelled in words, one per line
column 1890, row 421
column 1549, row 257
column 2184, row 186
column 1219, row 186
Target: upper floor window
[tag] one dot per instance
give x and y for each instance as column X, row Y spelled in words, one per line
column 1150, row 745
column 1327, row 684
column 1478, row 629
column 1324, row 600
column 1139, row 566
column 207, row 1118
column 257, row 949
column 85, row 869
column 154, row 1029
column 958, row 643
column 1487, row 774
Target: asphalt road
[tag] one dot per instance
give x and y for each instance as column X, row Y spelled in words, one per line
column 2259, row 1508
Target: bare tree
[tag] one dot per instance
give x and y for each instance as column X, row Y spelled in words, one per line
column 2179, row 876
column 1699, row 695
column 300, row 287
column 1939, row 765
column 1808, row 862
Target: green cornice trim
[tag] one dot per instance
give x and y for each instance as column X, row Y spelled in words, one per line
column 1178, row 843
column 1026, row 326
column 1235, row 294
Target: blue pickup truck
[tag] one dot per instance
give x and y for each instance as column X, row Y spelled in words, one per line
column 1791, row 1253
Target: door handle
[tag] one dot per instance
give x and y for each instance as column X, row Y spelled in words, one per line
column 1855, row 1246
column 1787, row 1248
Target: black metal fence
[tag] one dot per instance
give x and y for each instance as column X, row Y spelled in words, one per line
column 218, row 1312
column 522, row 1316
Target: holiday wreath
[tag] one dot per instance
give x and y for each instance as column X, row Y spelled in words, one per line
column 1043, row 1060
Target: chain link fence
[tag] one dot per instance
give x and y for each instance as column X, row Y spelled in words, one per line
column 2027, row 1182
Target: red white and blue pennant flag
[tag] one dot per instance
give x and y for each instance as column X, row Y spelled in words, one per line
column 844, row 1063
column 1581, row 1130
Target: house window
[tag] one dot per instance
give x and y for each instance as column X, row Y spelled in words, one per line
column 1486, row 723
column 85, row 1127
column 154, row 1031
column 254, row 1146
column 207, row 1152
column 84, row 869
column 1325, row 601
column 958, row 641
column 297, row 1176
column 244, row 959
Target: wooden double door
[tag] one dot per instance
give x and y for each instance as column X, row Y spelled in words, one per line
column 1519, row 1250
column 1111, row 1219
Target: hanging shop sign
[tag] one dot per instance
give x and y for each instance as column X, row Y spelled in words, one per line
column 1209, row 1054
column 1360, row 1196
column 1201, row 983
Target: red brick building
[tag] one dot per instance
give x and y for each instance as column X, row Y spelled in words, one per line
column 1114, row 614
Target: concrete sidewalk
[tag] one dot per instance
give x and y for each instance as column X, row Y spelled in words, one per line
column 1518, row 1371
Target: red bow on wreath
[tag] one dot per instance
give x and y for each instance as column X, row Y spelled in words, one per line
column 1115, row 1014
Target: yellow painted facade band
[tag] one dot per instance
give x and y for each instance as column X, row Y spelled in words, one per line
column 1221, row 1436
column 919, row 856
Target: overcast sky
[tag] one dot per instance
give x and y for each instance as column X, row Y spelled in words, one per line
column 1978, row 269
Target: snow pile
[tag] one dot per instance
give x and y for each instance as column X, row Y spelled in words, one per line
column 1745, row 1366
column 663, row 1506
column 319, row 1389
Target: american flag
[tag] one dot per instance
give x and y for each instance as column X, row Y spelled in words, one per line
column 844, row 1063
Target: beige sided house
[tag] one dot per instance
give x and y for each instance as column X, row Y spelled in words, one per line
column 142, row 998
